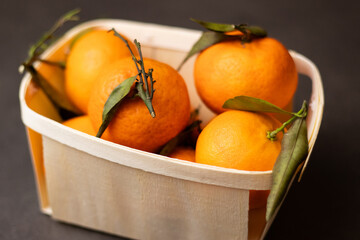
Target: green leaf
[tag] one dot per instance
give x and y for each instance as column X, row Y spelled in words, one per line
column 170, row 146
column 180, row 138
column 41, row 45
column 60, row 100
column 252, row 104
column 113, row 103
column 255, row 31
column 217, row 27
column 217, row 34
column 206, row 40
column 69, row 16
column 294, row 149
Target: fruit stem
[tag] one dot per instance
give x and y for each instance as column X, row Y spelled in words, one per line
column 146, row 95
column 141, row 63
column 151, row 83
column 128, row 46
column 300, row 114
column 272, row 135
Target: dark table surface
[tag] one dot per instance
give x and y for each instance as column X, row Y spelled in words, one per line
column 324, row 205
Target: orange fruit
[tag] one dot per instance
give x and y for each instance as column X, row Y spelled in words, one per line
column 88, row 56
column 133, row 125
column 237, row 139
column 183, row 153
column 38, row 101
column 82, row 124
column 262, row 68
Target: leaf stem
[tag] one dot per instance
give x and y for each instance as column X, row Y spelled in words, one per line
column 128, row 46
column 272, row 135
column 151, row 83
column 300, row 114
column 141, row 62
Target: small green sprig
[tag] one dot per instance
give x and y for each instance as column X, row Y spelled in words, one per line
column 60, row 100
column 252, row 104
column 294, row 150
column 142, row 87
column 145, row 94
column 300, row 114
column 45, row 41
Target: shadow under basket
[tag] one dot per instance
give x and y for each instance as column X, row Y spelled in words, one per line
column 90, row 182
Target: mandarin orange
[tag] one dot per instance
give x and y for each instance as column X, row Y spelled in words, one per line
column 133, row 125
column 89, row 54
column 237, row 139
column 262, row 68
column 82, row 124
column 183, row 153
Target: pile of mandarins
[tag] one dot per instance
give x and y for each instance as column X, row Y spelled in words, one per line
column 99, row 61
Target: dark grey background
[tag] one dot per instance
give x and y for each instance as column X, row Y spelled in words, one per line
column 325, row 205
